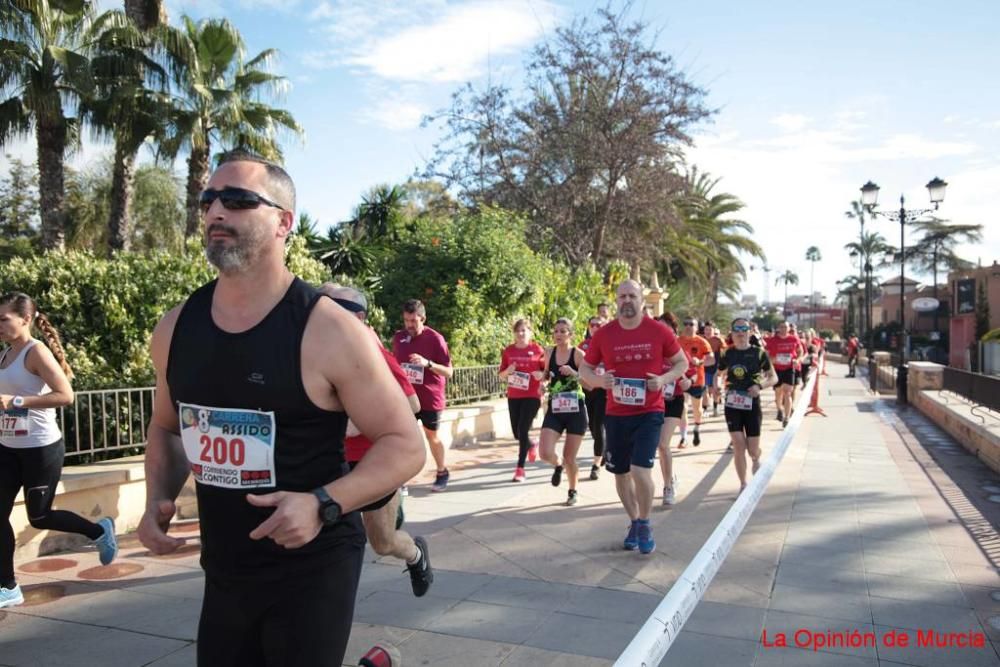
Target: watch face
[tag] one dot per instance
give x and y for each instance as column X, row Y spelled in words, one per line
column 330, row 513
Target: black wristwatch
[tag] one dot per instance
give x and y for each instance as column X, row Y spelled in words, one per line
column 329, row 509
column 429, row 364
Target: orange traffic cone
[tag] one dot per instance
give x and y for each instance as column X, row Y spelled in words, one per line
column 814, row 408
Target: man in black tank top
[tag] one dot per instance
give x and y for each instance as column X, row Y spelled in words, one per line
column 252, row 400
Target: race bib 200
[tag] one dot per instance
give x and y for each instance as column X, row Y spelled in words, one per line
column 229, row 447
column 629, row 391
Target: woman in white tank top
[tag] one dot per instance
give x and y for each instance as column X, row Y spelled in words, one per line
column 34, row 381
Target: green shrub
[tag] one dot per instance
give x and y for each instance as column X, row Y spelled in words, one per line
column 106, row 309
column 991, row 335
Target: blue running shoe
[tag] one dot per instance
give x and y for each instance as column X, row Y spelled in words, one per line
column 645, row 537
column 631, row 540
column 107, row 544
column 11, row 596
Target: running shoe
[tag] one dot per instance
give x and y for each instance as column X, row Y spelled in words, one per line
column 644, row 534
column 571, row 498
column 10, row 597
column 557, row 476
column 781, row 416
column 107, row 544
column 441, row 481
column 696, row 440
column 784, row 423
column 631, row 542
column 680, row 444
column 669, row 496
column 518, row 475
column 533, row 452
column 755, row 467
column 421, row 572
column 595, row 472
column 729, row 448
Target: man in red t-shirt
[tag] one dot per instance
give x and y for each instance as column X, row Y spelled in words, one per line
column 423, row 354
column 785, row 351
column 634, row 350
column 380, row 517
column 851, row 349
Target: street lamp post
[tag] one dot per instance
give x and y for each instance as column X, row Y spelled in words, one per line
column 869, row 200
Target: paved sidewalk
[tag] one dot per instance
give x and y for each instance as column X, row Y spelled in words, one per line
column 862, row 528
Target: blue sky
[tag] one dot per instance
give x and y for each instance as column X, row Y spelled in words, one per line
column 814, row 99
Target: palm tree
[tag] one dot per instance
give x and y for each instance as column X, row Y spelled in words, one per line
column 146, row 14
column 220, row 102
column 813, row 255
column 714, row 239
column 851, row 287
column 44, row 76
column 936, row 248
column 133, row 102
column 788, row 278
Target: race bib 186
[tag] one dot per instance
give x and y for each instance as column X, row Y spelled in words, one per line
column 739, row 400
column 414, row 373
column 629, row 391
column 229, row 447
column 519, row 380
column 564, row 402
column 14, row 422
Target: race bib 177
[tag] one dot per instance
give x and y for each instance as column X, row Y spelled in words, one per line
column 14, row 422
column 229, row 447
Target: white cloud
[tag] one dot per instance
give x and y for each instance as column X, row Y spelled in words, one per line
column 431, row 42
column 790, row 122
column 396, row 115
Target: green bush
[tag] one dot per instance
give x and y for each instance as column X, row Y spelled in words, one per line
column 991, row 335
column 105, row 309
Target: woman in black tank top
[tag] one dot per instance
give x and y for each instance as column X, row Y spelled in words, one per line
column 565, row 407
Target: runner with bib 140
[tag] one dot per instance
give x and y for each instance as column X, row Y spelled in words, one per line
column 634, row 349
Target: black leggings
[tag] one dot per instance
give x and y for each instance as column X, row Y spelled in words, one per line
column 522, row 415
column 37, row 469
column 596, row 401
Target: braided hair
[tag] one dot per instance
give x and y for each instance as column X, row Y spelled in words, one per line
column 25, row 307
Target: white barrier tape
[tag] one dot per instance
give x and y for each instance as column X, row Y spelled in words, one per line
column 658, row 633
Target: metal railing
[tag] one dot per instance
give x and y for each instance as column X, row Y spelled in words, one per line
column 474, row 383
column 881, row 375
column 983, row 390
column 111, row 423
column 106, row 423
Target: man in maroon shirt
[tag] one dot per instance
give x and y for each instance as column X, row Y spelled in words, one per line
column 423, row 354
column 634, row 350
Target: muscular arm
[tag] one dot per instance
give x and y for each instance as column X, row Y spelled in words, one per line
column 356, row 374
column 166, row 465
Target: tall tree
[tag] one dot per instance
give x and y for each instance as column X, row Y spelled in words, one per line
column 44, row 76
column 813, row 255
column 788, row 277
column 146, row 14
column 589, row 155
column 937, row 247
column 221, row 104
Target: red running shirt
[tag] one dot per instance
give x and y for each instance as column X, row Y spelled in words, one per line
column 631, row 354
column 356, row 446
column 527, row 359
column 783, row 351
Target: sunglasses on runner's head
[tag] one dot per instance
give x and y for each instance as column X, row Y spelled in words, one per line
column 235, row 199
column 741, row 328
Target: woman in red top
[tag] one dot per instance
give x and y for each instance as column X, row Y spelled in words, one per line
column 522, row 367
column 673, row 409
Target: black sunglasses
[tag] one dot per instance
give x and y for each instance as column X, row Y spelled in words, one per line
column 235, row 199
